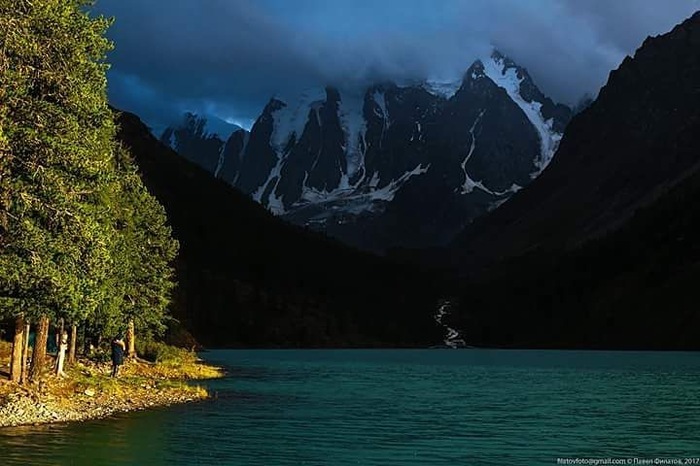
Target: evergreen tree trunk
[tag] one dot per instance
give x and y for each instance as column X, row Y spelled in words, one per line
column 131, row 339
column 17, row 345
column 39, row 355
column 25, row 353
column 73, row 343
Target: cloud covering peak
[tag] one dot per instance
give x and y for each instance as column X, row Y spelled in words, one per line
column 227, row 57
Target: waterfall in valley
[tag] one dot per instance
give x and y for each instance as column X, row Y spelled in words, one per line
column 453, row 339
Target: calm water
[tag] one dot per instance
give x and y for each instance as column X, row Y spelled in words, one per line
column 403, row 407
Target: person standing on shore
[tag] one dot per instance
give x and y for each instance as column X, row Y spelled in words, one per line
column 118, row 348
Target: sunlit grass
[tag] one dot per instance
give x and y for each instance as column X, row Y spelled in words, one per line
column 166, row 378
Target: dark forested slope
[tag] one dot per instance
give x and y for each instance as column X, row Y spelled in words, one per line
column 249, row 279
column 602, row 250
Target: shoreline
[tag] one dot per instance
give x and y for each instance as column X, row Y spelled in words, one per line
column 89, row 393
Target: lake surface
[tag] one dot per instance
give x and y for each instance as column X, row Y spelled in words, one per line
column 400, row 407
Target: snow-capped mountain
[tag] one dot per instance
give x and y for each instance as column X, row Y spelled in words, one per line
column 395, row 165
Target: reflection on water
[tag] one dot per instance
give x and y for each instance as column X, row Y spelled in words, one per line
column 388, row 407
column 138, row 438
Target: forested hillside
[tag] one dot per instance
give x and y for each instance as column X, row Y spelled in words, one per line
column 247, row 278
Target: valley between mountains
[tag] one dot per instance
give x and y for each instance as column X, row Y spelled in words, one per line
column 543, row 228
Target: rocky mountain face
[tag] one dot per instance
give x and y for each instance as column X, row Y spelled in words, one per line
column 601, row 250
column 206, row 141
column 390, row 165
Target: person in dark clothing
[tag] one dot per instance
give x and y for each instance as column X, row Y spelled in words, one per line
column 118, row 348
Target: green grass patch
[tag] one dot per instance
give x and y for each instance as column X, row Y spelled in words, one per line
column 171, row 362
column 161, row 353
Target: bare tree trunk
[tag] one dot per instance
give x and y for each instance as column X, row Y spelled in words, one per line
column 61, row 356
column 25, row 353
column 39, row 355
column 73, row 343
column 17, row 345
column 131, row 339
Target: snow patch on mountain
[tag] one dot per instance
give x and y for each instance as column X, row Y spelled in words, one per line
column 311, row 195
column 275, row 205
column 220, row 162
column 354, row 125
column 352, row 200
column 444, row 89
column 469, row 184
column 290, row 121
column 380, row 99
column 507, row 78
column 388, row 192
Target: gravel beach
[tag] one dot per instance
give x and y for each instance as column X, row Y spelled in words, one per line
column 89, row 393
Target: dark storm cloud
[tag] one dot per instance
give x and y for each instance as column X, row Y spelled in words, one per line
column 227, row 57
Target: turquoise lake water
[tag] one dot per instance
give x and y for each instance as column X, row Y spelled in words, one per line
column 400, row 407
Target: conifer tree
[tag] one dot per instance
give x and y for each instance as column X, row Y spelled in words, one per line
column 142, row 278
column 151, row 251
column 81, row 238
column 60, row 135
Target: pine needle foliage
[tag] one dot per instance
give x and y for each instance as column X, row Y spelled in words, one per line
column 80, row 237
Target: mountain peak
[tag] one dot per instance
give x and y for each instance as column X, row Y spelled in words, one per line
column 498, row 56
column 475, row 71
column 442, row 88
column 507, row 62
column 332, row 94
column 337, row 158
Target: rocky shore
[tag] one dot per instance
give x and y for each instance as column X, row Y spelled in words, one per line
column 89, row 393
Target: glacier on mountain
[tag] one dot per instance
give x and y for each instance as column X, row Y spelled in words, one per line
column 507, row 78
